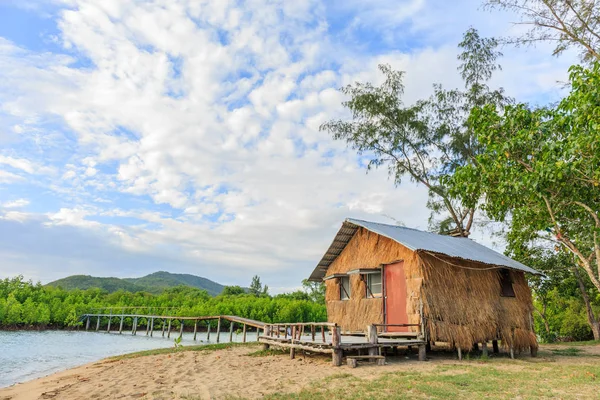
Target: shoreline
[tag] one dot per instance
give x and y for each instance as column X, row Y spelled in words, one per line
column 243, row 370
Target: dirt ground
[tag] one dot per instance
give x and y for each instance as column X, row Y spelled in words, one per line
column 224, row 373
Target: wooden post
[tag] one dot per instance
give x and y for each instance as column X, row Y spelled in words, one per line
column 484, row 349
column 285, row 327
column 87, row 323
column 98, row 324
column 169, row 330
column 108, row 327
column 195, row 329
column 459, row 354
column 208, row 330
column 495, row 348
column 231, row 331
column 244, row 333
column 534, row 351
column 292, row 349
column 312, row 332
column 372, row 339
column 323, row 332
column 163, row 327
column 121, row 324
column 219, row 330
column 422, row 352
column 134, row 329
column 258, row 333
column 336, row 339
column 277, row 326
column 267, row 333
column 181, row 329
column 147, row 326
column 151, row 326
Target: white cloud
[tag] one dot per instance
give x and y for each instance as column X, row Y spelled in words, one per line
column 19, row 203
column 194, row 126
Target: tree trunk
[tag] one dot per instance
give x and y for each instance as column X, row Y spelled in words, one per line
column 592, row 320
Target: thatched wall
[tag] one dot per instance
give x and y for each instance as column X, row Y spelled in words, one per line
column 462, row 304
column 367, row 250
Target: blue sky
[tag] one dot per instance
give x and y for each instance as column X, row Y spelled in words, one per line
column 183, row 135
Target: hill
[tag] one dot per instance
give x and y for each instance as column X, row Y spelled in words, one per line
column 153, row 283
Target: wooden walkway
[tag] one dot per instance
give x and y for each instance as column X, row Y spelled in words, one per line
column 315, row 337
column 167, row 323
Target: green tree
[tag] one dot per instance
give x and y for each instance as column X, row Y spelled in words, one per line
column 566, row 23
column 315, row 290
column 428, row 140
column 256, row 287
column 233, row 291
column 539, row 171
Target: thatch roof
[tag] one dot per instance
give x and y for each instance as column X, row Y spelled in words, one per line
column 416, row 240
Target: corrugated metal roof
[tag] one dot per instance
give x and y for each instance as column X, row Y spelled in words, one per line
column 416, row 240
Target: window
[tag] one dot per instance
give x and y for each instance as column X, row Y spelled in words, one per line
column 374, row 285
column 344, row 288
column 506, row 284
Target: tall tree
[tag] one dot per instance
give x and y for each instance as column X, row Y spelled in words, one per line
column 427, row 140
column 564, row 22
column 539, row 171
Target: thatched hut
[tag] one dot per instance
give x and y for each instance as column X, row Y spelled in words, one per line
column 460, row 292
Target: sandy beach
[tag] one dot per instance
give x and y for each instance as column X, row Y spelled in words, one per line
column 227, row 373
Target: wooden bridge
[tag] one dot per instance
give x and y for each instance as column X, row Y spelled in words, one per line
column 149, row 322
column 314, row 337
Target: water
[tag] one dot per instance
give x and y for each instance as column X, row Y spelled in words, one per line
column 26, row 355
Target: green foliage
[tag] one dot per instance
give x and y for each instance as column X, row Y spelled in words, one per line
column 153, row 283
column 429, row 139
column 539, row 171
column 233, row 291
column 24, row 304
column 256, row 287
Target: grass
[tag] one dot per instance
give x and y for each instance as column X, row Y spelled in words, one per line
column 466, row 380
column 266, row 353
column 569, row 351
column 173, row 350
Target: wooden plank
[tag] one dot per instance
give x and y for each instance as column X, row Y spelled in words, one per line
column 366, row 357
column 297, row 346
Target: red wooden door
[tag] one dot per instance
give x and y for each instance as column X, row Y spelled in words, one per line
column 394, row 283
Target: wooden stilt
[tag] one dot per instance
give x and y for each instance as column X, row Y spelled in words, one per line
column 422, row 352
column 208, row 330
column 323, row 332
column 495, row 347
column 292, row 349
column 164, row 323
column 258, row 334
column 372, row 339
column 219, row 330
column 195, row 329
column 534, row 351
column 134, row 329
column 244, row 333
column 231, row 331
column 151, row 326
column 181, row 330
column 108, row 327
column 98, row 324
column 484, row 349
column 121, row 324
column 312, row 332
column 87, row 323
column 169, row 330
column 147, row 326
column 459, row 354
column 337, row 354
column 266, row 333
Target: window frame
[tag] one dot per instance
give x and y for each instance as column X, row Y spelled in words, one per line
column 345, row 294
column 369, row 294
column 506, row 284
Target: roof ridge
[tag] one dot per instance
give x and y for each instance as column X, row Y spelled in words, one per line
column 405, row 227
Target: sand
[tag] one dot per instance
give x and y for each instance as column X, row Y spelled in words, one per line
column 199, row 375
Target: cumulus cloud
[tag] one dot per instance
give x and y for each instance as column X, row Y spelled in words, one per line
column 188, row 131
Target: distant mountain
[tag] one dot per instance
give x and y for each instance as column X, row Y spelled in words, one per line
column 153, row 283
